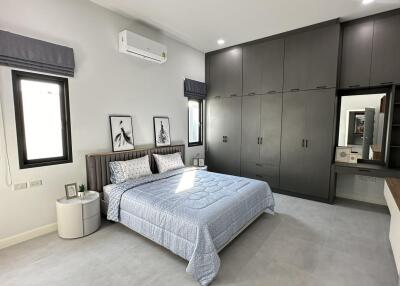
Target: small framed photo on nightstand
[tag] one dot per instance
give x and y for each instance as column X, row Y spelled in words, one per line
column 71, row 191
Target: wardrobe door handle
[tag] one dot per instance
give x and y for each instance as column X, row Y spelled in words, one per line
column 261, row 140
column 258, row 140
column 302, row 143
column 306, row 143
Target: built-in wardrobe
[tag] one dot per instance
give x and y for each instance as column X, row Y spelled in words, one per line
column 270, row 109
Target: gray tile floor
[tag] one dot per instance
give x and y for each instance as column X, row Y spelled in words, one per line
column 305, row 243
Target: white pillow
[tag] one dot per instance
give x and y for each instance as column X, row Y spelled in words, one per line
column 131, row 169
column 168, row 162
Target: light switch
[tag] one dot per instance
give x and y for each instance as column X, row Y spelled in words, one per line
column 20, row 186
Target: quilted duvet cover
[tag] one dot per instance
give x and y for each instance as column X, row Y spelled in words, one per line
column 191, row 212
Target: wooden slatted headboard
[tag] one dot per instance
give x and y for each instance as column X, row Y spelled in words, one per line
column 98, row 172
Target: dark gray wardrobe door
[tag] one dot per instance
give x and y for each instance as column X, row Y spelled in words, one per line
column 324, row 49
column 320, row 127
column 226, row 73
column 270, row 132
column 293, row 175
column 386, row 50
column 263, row 67
column 356, row 54
column 214, row 131
column 297, row 60
column 250, row 150
column 224, row 134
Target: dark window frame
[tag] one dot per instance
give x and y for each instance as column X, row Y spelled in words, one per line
column 365, row 91
column 24, row 163
column 200, row 142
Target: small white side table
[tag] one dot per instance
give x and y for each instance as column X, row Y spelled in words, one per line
column 78, row 217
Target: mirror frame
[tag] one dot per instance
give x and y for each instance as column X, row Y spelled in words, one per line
column 365, row 91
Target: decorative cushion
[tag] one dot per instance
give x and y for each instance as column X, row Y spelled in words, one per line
column 168, row 162
column 131, row 169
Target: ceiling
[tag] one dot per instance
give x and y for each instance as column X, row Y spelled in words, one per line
column 200, row 23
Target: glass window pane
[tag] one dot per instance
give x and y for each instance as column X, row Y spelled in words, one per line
column 194, row 121
column 42, row 119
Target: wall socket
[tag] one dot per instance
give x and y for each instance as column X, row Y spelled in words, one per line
column 35, row 183
column 20, row 186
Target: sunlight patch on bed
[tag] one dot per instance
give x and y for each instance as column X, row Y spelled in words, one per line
column 186, row 182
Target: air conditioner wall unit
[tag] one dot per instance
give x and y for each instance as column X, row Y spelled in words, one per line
column 141, row 47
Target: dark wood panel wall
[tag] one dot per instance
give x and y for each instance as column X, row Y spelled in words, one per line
column 271, row 102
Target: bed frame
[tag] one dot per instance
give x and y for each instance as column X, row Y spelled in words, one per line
column 98, row 172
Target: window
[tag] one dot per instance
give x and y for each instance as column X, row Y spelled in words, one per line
column 195, row 122
column 42, row 119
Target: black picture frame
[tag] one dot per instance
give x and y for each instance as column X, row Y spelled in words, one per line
column 156, row 142
column 68, row 191
column 112, row 129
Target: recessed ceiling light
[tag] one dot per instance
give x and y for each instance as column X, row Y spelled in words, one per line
column 221, row 42
column 366, row 2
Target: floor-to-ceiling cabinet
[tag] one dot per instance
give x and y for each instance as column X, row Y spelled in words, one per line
column 279, row 126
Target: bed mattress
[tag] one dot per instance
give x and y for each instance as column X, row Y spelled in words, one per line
column 189, row 211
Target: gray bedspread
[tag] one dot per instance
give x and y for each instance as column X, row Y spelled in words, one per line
column 192, row 212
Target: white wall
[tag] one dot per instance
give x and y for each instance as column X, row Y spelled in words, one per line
column 106, row 82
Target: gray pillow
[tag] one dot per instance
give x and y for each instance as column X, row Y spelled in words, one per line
column 131, row 169
column 168, row 162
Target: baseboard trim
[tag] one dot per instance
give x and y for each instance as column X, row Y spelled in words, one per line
column 15, row 239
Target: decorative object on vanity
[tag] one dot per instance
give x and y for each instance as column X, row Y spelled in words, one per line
column 201, row 162
column 71, row 191
column 342, row 154
column 82, row 190
column 162, row 135
column 353, row 157
column 121, row 133
column 79, row 216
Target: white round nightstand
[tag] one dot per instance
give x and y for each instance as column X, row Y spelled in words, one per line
column 79, row 216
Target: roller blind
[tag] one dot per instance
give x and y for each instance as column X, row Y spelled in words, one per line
column 195, row 89
column 28, row 53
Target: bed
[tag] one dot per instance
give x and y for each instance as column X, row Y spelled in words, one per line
column 192, row 212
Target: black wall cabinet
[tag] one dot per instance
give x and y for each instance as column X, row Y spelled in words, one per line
column 225, row 73
column 263, row 67
column 371, row 52
column 311, row 59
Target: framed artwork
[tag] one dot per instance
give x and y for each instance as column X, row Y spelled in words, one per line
column 121, row 133
column 162, row 135
column 71, row 191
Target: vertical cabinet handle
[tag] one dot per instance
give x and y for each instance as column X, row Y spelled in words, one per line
column 302, row 143
column 306, row 143
column 261, row 140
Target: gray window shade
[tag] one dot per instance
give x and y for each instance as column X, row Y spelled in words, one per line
column 28, row 53
column 195, row 89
